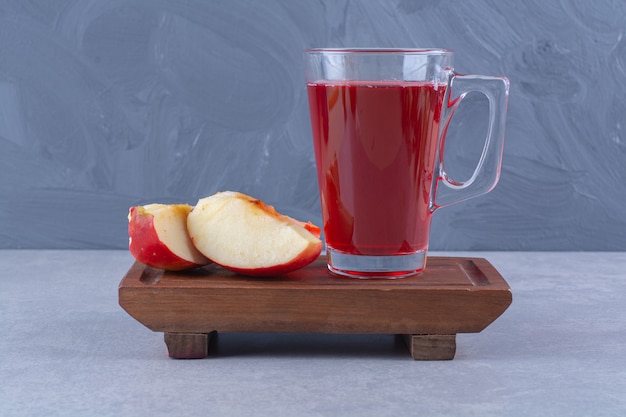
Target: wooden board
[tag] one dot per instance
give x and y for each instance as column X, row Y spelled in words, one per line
column 453, row 295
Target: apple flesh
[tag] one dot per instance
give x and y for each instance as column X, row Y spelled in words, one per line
column 313, row 229
column 159, row 238
column 244, row 235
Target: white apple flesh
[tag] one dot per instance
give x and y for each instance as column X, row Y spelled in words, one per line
column 246, row 236
column 158, row 237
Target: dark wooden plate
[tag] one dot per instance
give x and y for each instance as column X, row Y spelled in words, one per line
column 453, row 295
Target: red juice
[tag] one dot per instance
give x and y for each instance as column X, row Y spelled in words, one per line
column 375, row 144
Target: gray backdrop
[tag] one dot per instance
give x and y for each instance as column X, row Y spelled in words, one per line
column 106, row 104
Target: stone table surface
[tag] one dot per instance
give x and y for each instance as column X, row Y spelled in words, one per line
column 68, row 349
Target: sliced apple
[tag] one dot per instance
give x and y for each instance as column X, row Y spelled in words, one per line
column 159, row 238
column 313, row 229
column 246, row 236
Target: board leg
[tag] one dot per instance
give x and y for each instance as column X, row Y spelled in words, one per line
column 188, row 345
column 430, row 347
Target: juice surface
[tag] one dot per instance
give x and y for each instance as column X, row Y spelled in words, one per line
column 375, row 143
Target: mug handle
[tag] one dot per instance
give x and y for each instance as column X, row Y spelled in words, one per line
column 487, row 171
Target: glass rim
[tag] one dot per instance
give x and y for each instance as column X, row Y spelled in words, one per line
column 366, row 51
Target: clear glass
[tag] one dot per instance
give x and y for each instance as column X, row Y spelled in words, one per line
column 379, row 119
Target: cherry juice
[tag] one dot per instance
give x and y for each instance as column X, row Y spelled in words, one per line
column 375, row 144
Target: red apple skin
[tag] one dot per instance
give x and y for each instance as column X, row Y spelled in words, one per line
column 313, row 229
column 310, row 227
column 307, row 256
column 146, row 247
column 303, row 260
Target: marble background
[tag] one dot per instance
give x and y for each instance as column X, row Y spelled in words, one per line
column 108, row 104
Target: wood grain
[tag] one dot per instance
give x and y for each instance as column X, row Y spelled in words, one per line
column 431, row 346
column 453, row 295
column 188, row 345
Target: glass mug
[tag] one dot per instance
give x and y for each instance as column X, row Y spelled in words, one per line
column 379, row 119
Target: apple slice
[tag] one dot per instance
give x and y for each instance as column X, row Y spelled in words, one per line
column 158, row 237
column 246, row 236
column 313, row 229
